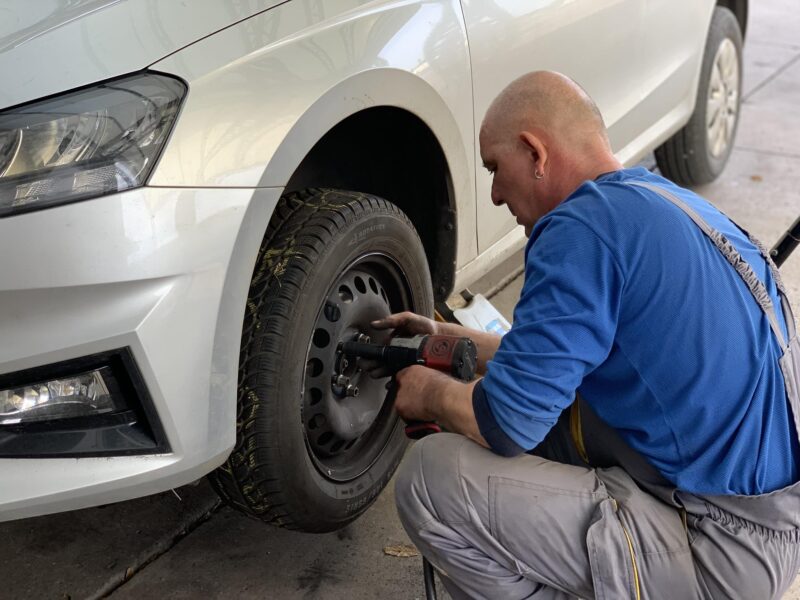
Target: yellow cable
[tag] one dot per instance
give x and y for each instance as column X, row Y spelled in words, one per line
column 577, row 431
column 633, row 560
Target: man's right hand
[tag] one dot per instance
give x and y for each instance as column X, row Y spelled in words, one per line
column 408, row 324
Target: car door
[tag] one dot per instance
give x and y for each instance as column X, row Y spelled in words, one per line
column 596, row 42
column 672, row 50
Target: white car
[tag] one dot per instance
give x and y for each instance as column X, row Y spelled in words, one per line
column 200, row 200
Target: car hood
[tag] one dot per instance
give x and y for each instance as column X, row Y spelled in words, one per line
column 49, row 46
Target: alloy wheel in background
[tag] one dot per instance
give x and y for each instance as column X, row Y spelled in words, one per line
column 722, row 105
column 698, row 152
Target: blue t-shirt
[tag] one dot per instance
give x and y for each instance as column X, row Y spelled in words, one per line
column 626, row 301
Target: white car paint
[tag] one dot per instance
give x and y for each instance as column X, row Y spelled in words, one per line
column 165, row 269
column 51, row 46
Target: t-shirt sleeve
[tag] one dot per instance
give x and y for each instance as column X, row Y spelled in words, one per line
column 564, row 327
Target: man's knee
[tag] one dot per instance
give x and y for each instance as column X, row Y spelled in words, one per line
column 427, row 485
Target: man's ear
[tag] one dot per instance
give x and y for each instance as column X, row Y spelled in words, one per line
column 537, row 149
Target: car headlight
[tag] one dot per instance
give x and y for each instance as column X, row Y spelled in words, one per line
column 94, row 141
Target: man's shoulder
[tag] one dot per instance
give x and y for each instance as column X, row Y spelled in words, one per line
column 621, row 192
column 612, row 205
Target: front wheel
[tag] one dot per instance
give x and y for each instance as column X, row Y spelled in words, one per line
column 697, row 153
column 313, row 452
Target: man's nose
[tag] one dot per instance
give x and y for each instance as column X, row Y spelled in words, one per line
column 497, row 200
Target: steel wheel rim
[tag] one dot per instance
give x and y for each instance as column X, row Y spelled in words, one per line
column 344, row 436
column 722, row 103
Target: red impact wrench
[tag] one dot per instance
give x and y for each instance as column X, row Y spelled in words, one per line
column 451, row 354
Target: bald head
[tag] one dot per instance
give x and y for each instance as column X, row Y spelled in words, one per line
column 549, row 102
column 541, row 139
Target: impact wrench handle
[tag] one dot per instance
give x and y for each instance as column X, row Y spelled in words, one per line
column 416, row 430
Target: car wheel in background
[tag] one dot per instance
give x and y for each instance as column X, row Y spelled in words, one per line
column 697, row 153
column 312, row 453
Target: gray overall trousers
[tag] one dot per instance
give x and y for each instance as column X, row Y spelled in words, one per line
column 586, row 516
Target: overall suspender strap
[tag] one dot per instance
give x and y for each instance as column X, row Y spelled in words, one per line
column 773, row 268
column 742, row 267
column 776, row 276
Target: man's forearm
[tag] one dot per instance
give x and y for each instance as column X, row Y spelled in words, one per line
column 453, row 408
column 486, row 343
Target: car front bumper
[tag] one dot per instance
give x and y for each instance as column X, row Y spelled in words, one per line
column 162, row 272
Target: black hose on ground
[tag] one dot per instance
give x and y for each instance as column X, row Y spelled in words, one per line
column 430, row 584
column 781, row 251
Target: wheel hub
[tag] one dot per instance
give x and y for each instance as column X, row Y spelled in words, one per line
column 722, row 104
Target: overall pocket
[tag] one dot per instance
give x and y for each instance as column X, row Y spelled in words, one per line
column 547, row 529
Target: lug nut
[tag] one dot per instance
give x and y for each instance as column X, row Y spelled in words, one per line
column 351, row 390
column 341, row 380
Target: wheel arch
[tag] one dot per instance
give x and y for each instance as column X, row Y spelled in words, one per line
column 740, row 9
column 391, row 153
column 389, row 133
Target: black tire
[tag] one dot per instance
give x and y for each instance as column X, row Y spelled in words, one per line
column 299, row 460
column 687, row 158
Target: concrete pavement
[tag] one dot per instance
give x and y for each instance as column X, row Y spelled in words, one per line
column 184, row 545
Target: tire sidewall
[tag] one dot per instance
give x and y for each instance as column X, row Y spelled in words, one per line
column 340, row 502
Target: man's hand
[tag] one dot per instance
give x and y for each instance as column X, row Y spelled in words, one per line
column 408, row 324
column 420, row 391
column 424, row 394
